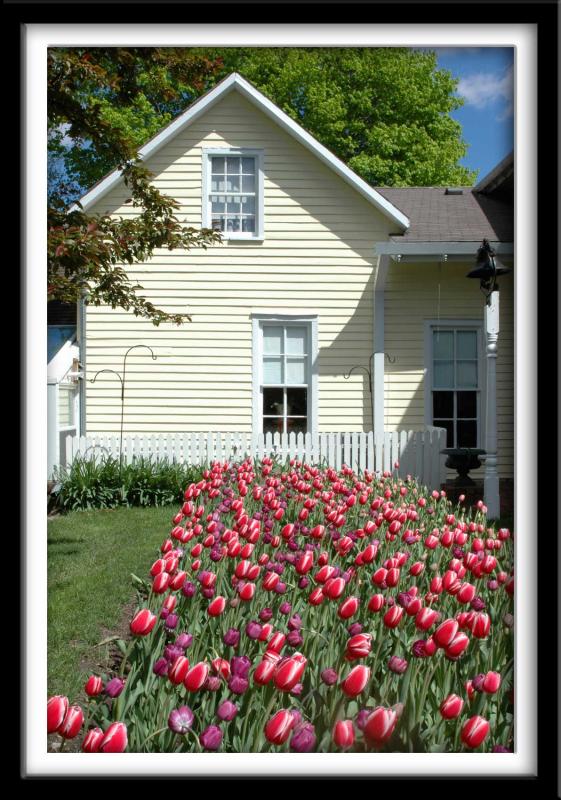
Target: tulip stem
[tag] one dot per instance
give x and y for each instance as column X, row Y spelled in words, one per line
column 258, row 746
column 424, row 691
column 161, row 730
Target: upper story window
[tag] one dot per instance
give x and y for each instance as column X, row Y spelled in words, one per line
column 233, row 193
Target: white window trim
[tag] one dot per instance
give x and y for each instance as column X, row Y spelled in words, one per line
column 206, row 219
column 430, row 325
column 311, row 321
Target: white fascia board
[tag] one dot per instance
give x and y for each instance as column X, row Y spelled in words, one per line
column 426, row 250
column 271, row 110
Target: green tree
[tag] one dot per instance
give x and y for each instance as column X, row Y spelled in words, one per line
column 384, row 111
column 102, row 105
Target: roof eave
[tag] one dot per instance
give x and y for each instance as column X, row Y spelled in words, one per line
column 271, row 110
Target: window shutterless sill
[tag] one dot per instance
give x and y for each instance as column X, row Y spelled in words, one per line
column 244, row 240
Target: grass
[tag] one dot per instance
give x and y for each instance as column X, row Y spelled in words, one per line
column 91, row 555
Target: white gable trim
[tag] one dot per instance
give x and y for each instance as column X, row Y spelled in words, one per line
column 235, row 81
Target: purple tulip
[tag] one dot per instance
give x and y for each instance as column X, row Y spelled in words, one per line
column 285, row 608
column 362, row 717
column 180, row 720
column 161, row 667
column 208, row 593
column 212, row 683
column 303, row 739
column 500, row 748
column 397, row 665
column 329, row 677
column 294, row 623
column 188, row 589
column 114, row 687
column 266, row 614
column 418, row 649
column 172, row 651
column 253, row 629
column 227, row 711
column 355, row 628
column 238, row 685
column 303, row 582
column 478, row 682
column 211, row 737
column 294, row 638
column 232, row 637
column 240, row 666
column 477, row 604
column 184, row 640
column 171, row 621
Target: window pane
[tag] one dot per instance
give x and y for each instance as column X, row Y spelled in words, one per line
column 273, row 425
column 296, row 425
column 217, row 165
column 449, row 425
column 443, row 404
column 248, row 205
column 234, row 206
column 297, row 402
column 232, row 224
column 443, row 344
column 467, row 404
column 466, row 344
column 218, row 183
column 248, row 165
column 248, row 224
column 233, row 164
column 233, row 183
column 273, row 401
column 272, row 370
column 467, row 433
column 444, row 374
column 295, row 341
column 248, row 183
column 467, row 373
column 272, row 339
column 296, row 370
column 218, row 204
column 218, row 223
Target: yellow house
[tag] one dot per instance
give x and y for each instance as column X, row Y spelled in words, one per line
column 329, row 306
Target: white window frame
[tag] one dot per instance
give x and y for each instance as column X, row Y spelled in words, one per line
column 456, row 324
column 208, row 154
column 259, row 320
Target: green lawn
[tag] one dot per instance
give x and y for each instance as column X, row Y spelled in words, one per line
column 91, row 555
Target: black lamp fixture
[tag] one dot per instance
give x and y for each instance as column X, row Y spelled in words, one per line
column 488, row 268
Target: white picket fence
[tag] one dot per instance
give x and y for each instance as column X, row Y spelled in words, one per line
column 416, row 452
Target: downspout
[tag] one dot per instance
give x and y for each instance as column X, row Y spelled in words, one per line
column 379, row 348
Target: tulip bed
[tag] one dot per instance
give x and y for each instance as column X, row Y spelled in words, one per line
column 296, row 608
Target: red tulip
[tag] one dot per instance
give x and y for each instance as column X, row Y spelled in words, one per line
column 348, row 608
column 247, row 591
column 451, row 706
column 57, row 707
column 157, row 567
column 71, row 723
column 143, row 622
column 161, row 582
column 217, row 606
column 264, row 672
column 457, row 646
column 92, row 740
column 115, row 739
column 481, row 625
column 474, row 732
column 426, row 618
column 393, row 616
column 178, row 580
column 278, row 728
column 343, row 734
column 466, row 593
column 379, row 576
column 445, row 632
column 178, row 670
column 334, row 588
column 305, row 563
column 196, row 677
column 358, row 646
column 376, row 602
column 289, row 672
column 380, row 725
column 356, row 681
column 316, row 597
column 392, row 578
column 270, row 580
column 94, row 686
column 491, row 682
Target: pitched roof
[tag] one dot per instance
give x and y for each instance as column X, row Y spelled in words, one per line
column 440, row 217
column 247, row 90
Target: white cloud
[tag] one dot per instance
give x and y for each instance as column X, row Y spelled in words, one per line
column 483, row 89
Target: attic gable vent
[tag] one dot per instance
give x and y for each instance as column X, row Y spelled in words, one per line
column 452, row 190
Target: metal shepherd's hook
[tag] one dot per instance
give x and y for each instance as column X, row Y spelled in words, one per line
column 123, row 378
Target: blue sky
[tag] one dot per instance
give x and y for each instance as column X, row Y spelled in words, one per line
column 487, row 118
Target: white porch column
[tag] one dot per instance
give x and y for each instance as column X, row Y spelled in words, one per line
column 378, row 365
column 53, row 438
column 491, row 480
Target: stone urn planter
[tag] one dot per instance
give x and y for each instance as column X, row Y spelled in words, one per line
column 463, row 460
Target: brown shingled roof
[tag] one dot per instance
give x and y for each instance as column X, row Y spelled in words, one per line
column 439, row 217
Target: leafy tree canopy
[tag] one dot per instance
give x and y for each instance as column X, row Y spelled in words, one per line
column 102, row 105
